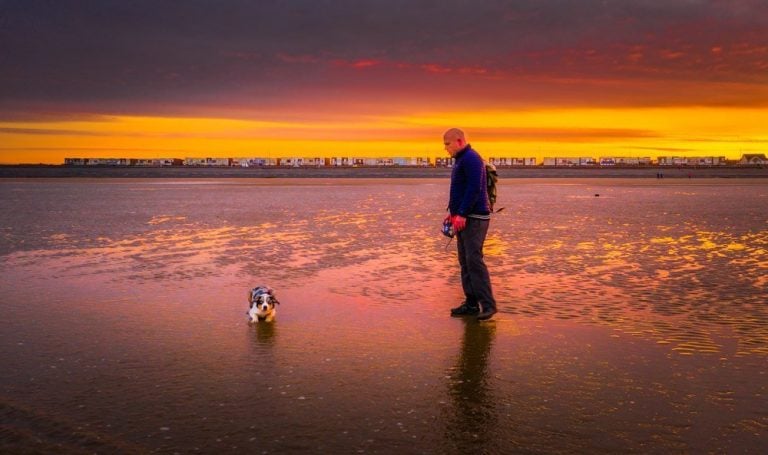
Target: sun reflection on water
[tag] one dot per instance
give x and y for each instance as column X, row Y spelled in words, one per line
column 657, row 271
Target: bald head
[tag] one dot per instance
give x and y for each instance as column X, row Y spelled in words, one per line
column 454, row 141
column 455, row 133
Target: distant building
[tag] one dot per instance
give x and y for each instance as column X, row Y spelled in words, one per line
column 289, row 162
column 706, row 161
column 644, row 161
column 508, row 161
column 631, row 161
column 672, row 161
column 317, row 162
column 253, row 162
column 343, row 161
column 753, row 159
column 369, row 161
column 302, row 162
column 692, row 161
column 530, row 161
column 411, row 161
column 263, row 162
column 109, row 161
column 627, row 161
column 158, row 162
column 561, row 161
column 207, row 162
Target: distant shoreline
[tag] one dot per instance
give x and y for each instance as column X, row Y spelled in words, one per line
column 51, row 171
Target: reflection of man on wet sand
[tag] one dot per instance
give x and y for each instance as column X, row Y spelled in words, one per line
column 472, row 425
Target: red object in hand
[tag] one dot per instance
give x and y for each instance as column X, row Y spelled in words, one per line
column 459, row 222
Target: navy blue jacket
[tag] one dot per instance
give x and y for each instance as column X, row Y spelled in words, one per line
column 469, row 194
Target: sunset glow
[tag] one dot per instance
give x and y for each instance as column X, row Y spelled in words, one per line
column 651, row 132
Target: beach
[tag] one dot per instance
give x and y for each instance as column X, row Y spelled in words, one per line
column 22, row 171
column 632, row 314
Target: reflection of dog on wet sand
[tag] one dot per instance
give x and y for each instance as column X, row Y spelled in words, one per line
column 263, row 304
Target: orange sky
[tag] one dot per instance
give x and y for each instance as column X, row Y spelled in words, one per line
column 527, row 80
column 536, row 133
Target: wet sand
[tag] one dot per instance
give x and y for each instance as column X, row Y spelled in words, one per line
column 632, row 321
column 372, row 172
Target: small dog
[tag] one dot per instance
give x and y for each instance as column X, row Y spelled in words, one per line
column 263, row 304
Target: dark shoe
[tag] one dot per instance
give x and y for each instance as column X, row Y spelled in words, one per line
column 486, row 314
column 465, row 310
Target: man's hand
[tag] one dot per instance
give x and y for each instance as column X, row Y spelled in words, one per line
column 459, row 223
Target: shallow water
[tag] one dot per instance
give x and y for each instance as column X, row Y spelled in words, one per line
column 632, row 318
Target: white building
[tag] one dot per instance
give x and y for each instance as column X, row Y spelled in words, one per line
column 290, row 162
column 207, row 162
column 301, row 162
column 706, row 161
column 412, row 161
column 253, row 162
column 365, row 161
column 644, row 161
column 753, row 159
column 691, row 160
column 561, row 161
column 341, row 161
column 108, row 161
column 671, row 161
column 314, row 162
column 511, row 161
column 157, row 162
column 626, row 160
column 530, row 161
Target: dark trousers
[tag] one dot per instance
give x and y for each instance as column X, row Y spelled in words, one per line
column 474, row 274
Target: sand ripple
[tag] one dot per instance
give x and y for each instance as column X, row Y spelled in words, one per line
column 685, row 268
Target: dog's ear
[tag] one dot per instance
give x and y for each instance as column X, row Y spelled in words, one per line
column 250, row 297
column 274, row 299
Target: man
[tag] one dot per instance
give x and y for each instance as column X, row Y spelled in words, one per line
column 470, row 215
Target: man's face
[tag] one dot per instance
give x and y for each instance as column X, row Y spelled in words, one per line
column 453, row 144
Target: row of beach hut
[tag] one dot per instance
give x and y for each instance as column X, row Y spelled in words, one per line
column 747, row 159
